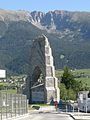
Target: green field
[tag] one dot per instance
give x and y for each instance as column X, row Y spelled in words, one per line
column 79, row 74
column 3, row 83
column 9, row 91
column 85, row 81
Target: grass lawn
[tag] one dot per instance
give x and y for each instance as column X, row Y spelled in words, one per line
column 9, row 91
column 41, row 104
column 86, row 71
column 85, row 79
column 3, row 83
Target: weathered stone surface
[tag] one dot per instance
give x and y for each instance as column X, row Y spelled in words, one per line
column 41, row 84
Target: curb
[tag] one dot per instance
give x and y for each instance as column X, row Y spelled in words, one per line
column 71, row 116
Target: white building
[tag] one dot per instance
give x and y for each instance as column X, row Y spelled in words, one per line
column 84, row 101
column 2, row 73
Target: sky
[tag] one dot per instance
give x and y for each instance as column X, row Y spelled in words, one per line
column 46, row 5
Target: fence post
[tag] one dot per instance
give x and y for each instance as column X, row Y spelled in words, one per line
column 6, row 105
column 12, row 105
column 11, row 96
column 1, row 105
column 26, row 105
column 21, row 105
column 18, row 104
column 1, row 112
column 73, row 107
column 15, row 104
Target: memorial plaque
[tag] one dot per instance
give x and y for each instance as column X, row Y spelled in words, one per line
column 48, row 60
column 46, row 50
column 37, row 96
column 49, row 71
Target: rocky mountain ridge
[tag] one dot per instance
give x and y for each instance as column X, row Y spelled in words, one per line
column 68, row 33
column 54, row 20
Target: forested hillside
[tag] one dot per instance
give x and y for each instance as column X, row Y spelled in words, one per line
column 68, row 33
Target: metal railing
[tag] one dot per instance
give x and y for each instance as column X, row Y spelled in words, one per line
column 12, row 105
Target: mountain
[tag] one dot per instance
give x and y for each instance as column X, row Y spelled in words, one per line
column 68, row 33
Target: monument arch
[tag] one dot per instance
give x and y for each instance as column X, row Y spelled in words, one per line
column 41, row 83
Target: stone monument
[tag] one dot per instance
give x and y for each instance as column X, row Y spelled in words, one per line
column 41, row 84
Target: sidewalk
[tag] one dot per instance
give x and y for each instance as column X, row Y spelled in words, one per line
column 22, row 117
column 74, row 115
column 80, row 116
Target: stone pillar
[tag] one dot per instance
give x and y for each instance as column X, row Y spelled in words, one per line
column 51, row 82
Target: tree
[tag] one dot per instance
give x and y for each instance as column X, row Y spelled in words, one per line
column 67, row 78
column 63, row 91
column 77, row 86
column 66, row 94
column 2, row 87
column 71, row 95
column 72, row 86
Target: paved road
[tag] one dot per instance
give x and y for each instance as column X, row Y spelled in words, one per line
column 49, row 116
column 44, row 116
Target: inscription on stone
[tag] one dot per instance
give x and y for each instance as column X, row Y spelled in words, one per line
column 48, row 60
column 37, row 96
column 46, row 50
column 49, row 71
